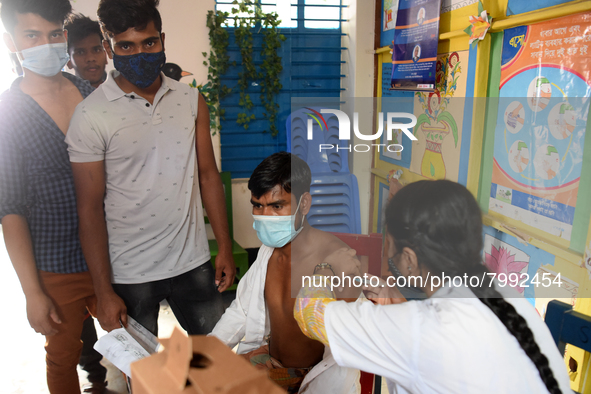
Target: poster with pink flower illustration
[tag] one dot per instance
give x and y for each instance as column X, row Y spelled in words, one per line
column 502, row 258
column 530, row 268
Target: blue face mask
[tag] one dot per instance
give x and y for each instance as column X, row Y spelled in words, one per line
column 46, row 60
column 277, row 231
column 140, row 69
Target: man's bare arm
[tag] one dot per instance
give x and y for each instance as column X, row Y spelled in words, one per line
column 89, row 179
column 41, row 311
column 212, row 193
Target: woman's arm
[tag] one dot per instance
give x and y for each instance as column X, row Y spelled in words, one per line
column 309, row 309
column 315, row 295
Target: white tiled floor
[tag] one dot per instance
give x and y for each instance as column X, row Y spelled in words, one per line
column 23, row 358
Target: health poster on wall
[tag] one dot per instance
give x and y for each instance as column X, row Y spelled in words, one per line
column 414, row 54
column 541, row 122
column 520, row 266
column 390, row 11
column 450, row 5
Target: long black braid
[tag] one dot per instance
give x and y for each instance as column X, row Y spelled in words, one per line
column 441, row 222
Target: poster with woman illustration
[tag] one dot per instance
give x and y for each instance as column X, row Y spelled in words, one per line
column 541, row 123
column 436, row 154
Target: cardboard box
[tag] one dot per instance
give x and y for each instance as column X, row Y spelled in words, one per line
column 198, row 365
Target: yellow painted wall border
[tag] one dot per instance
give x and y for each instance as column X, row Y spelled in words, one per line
column 516, row 229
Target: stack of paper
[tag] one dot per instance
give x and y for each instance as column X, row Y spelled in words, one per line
column 124, row 346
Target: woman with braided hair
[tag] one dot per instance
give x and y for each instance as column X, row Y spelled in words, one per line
column 465, row 337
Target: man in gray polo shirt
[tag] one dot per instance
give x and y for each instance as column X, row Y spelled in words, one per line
column 142, row 160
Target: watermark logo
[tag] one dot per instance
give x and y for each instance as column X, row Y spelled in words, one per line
column 317, row 117
column 345, row 129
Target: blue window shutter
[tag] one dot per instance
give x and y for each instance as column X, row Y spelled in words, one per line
column 311, row 60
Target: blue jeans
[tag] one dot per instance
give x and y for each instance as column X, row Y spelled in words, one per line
column 192, row 296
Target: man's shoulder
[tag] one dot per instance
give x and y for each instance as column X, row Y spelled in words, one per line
column 181, row 89
column 94, row 102
column 6, row 101
column 83, row 85
column 329, row 241
column 11, row 96
column 14, row 108
column 178, row 86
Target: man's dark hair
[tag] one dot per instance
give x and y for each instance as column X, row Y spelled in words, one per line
column 117, row 16
column 284, row 169
column 55, row 11
column 79, row 27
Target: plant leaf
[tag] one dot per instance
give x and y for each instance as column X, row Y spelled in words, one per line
column 449, row 119
column 423, row 118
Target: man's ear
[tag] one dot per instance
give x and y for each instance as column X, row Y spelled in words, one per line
column 9, row 43
column 411, row 264
column 306, row 203
column 107, row 46
column 69, row 64
column 162, row 39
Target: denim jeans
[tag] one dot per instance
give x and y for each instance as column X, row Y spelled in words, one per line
column 192, row 296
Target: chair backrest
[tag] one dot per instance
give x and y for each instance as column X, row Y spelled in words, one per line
column 325, row 130
column 335, row 203
column 366, row 245
column 371, row 247
column 568, row 326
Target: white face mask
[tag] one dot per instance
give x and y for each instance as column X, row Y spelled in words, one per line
column 277, row 231
column 46, row 60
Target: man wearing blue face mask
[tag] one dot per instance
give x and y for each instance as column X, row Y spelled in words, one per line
column 143, row 162
column 260, row 320
column 37, row 195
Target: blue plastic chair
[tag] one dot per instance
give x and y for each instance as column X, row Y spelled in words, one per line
column 334, row 190
column 309, row 150
column 334, row 193
column 568, row 326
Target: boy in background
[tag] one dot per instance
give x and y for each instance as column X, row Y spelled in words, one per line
column 85, row 46
column 88, row 60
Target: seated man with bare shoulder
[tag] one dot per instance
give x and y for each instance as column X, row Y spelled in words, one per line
column 260, row 320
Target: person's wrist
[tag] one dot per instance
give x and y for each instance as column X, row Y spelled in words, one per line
column 33, row 294
column 104, row 291
column 226, row 251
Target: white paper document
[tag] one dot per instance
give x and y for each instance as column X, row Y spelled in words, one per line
column 124, row 346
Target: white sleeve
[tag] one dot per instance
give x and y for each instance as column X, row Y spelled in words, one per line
column 378, row 339
column 230, row 329
column 194, row 101
column 232, row 326
column 84, row 139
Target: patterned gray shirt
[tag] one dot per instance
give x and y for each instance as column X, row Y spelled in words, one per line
column 152, row 203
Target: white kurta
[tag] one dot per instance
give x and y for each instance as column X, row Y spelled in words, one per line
column 246, row 324
column 450, row 343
